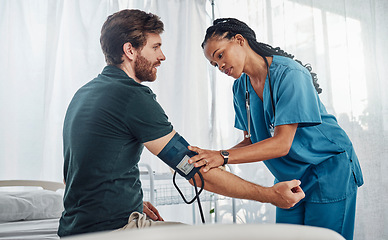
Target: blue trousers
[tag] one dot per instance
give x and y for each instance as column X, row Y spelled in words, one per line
column 338, row 216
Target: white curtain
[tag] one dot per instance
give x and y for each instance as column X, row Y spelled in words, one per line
column 49, row 48
column 345, row 42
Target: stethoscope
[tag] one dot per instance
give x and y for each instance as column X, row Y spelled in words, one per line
column 247, row 100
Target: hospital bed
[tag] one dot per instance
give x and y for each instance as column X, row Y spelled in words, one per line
column 30, row 209
column 219, row 231
column 33, row 213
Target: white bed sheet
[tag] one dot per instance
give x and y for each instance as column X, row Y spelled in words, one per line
column 218, row 231
column 27, row 230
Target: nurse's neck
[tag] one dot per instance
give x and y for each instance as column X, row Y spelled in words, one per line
column 256, row 68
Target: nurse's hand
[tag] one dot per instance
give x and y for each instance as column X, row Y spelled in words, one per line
column 287, row 194
column 207, row 158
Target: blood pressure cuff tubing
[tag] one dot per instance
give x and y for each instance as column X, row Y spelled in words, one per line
column 176, row 155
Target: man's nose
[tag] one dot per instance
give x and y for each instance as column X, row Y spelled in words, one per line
column 162, row 57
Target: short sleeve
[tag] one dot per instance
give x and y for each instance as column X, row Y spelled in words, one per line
column 146, row 118
column 296, row 100
column 240, row 117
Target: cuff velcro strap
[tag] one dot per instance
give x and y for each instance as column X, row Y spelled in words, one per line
column 176, row 155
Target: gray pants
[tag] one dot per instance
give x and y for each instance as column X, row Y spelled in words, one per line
column 140, row 220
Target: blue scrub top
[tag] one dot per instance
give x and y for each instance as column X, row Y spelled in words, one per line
column 321, row 155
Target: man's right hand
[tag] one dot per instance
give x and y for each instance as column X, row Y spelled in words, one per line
column 287, row 194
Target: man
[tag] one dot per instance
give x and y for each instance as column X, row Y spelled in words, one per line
column 108, row 122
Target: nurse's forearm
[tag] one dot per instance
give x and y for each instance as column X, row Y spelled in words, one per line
column 260, row 151
column 243, row 143
column 274, row 147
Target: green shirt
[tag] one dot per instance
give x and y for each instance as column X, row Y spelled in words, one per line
column 106, row 124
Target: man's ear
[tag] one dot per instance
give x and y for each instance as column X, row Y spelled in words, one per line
column 129, row 51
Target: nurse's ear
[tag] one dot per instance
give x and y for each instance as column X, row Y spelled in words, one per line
column 240, row 39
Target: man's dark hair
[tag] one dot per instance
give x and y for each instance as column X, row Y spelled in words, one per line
column 229, row 27
column 127, row 26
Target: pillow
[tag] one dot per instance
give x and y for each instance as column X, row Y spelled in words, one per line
column 30, row 205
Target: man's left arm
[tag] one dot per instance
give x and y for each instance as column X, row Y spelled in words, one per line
column 157, row 145
column 283, row 194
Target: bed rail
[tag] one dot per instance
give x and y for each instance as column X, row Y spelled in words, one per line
column 48, row 185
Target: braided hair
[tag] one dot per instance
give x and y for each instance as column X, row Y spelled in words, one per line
column 229, row 27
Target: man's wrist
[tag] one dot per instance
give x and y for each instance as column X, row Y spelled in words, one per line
column 264, row 194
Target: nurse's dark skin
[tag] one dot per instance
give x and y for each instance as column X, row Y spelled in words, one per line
column 234, row 57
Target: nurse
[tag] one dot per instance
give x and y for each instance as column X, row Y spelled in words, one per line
column 285, row 125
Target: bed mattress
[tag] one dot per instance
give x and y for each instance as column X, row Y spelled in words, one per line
column 34, row 229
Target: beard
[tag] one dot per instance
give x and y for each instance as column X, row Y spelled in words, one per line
column 144, row 69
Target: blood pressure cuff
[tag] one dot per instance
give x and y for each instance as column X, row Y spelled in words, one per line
column 176, row 155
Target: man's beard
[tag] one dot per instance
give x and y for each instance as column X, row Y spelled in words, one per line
column 144, row 69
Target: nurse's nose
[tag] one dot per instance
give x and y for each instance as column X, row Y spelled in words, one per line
column 221, row 66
